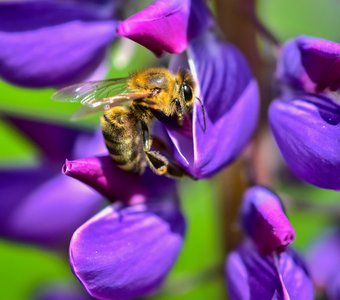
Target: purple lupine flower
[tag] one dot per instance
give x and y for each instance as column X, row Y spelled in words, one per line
column 167, row 26
column 127, row 249
column 230, row 95
column 305, row 119
column 310, row 64
column 323, row 259
column 53, row 43
column 82, row 33
column 40, row 205
column 263, row 267
column 225, row 83
column 227, row 88
column 231, row 100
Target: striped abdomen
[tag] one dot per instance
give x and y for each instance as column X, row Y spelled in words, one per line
column 123, row 138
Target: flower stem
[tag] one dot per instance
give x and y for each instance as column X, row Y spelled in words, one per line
column 236, row 21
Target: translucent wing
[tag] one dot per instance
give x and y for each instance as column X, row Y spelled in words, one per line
column 101, row 95
column 100, row 105
column 87, row 93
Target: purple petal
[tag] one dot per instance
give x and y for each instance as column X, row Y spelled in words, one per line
column 323, row 258
column 311, row 64
column 15, row 185
column 40, row 133
column 290, row 69
column 48, row 214
column 180, row 20
column 230, row 96
column 87, row 145
column 45, row 43
column 265, row 221
column 103, row 175
column 306, row 129
column 126, row 253
column 333, row 287
column 279, row 276
column 60, row 292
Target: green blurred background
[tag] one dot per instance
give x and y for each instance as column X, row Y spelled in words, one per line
column 197, row 272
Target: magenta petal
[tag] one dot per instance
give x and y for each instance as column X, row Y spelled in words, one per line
column 306, row 129
column 103, row 175
column 126, row 253
column 265, row 221
column 230, row 96
column 178, row 19
column 64, row 46
column 252, row 276
column 49, row 214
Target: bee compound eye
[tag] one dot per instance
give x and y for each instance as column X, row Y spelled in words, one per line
column 187, row 91
column 156, row 91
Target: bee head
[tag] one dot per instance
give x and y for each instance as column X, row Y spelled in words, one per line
column 183, row 95
column 185, row 89
column 187, row 96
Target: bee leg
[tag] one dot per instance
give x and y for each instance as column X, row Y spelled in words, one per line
column 158, row 163
column 174, row 170
column 146, row 137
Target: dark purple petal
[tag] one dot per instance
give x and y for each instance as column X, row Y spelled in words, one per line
column 310, row 64
column 321, row 59
column 264, row 220
column 103, row 175
column 48, row 214
column 125, row 253
column 167, row 25
column 41, row 133
column 323, row 258
column 231, row 101
column 279, row 276
column 45, row 43
column 306, row 129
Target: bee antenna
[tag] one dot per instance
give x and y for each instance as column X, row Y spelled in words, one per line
column 203, row 113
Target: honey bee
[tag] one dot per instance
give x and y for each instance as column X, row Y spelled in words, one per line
column 130, row 104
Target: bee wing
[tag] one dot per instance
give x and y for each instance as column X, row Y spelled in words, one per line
column 99, row 105
column 101, row 95
column 85, row 111
column 91, row 91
